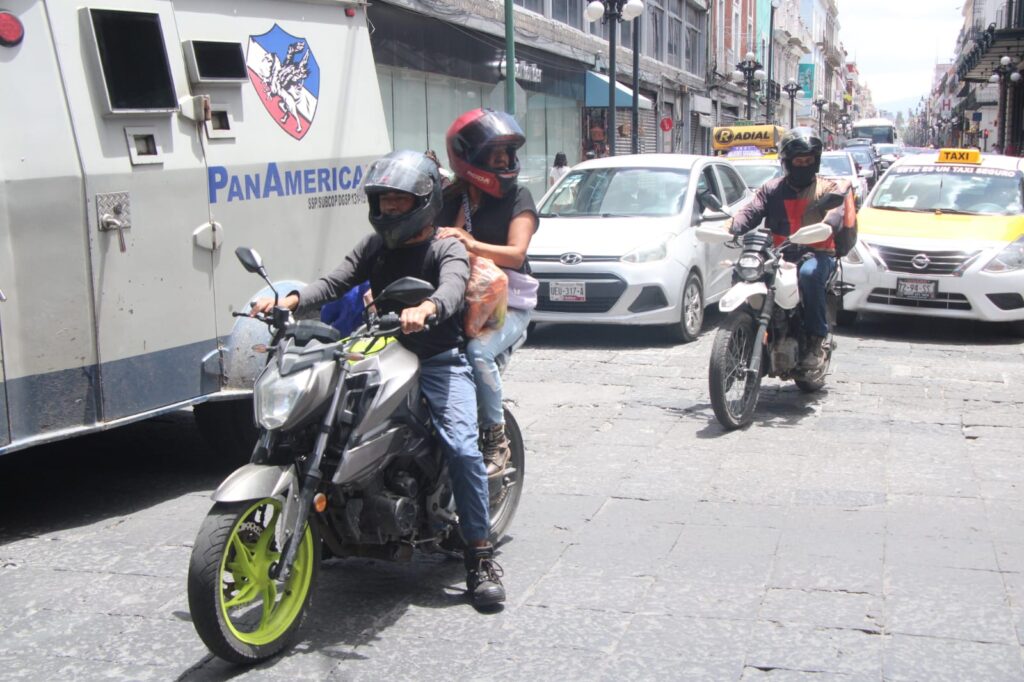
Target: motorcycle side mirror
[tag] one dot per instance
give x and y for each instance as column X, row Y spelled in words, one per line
column 250, row 260
column 811, row 234
column 408, row 291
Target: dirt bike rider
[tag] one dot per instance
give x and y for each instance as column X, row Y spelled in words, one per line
column 403, row 190
column 785, row 204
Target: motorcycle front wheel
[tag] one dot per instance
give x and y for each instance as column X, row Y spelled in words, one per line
column 733, row 389
column 240, row 612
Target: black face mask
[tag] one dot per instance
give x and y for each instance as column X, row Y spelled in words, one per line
column 801, row 176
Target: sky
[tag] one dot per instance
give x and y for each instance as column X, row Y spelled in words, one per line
column 897, row 43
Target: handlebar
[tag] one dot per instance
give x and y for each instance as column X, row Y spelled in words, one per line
column 390, row 323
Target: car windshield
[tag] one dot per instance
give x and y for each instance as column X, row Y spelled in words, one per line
column 618, row 192
column 887, row 149
column 862, row 156
column 955, row 189
column 836, row 165
column 756, row 174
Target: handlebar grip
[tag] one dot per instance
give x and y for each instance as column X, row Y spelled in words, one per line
column 430, row 323
column 388, row 320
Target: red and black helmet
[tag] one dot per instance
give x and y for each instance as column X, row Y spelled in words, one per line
column 470, row 140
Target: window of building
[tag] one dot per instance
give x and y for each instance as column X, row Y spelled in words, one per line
column 675, row 33
column 568, row 12
column 532, row 5
column 654, row 44
column 624, row 33
column 694, row 57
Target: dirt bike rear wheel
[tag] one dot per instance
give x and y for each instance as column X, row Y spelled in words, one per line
column 239, row 611
column 734, row 391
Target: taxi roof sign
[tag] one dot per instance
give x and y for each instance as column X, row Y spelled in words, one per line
column 959, row 156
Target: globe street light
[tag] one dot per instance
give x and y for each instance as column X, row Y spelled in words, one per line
column 611, row 12
column 792, row 89
column 1004, row 75
column 820, row 103
column 749, row 70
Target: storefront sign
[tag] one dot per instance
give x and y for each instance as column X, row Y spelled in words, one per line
column 666, row 124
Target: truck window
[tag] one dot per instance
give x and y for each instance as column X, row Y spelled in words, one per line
column 216, row 61
column 133, row 58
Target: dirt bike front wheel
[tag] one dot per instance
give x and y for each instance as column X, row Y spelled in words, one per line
column 734, row 390
column 241, row 613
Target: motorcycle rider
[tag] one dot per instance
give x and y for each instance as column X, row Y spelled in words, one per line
column 403, row 190
column 495, row 217
column 786, row 204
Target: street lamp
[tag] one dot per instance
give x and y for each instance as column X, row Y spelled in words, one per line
column 771, row 53
column 749, row 70
column 611, row 12
column 820, row 102
column 792, row 89
column 999, row 75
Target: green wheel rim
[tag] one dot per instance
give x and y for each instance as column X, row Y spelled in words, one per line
column 256, row 609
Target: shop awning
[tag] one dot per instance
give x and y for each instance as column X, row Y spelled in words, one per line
column 597, row 93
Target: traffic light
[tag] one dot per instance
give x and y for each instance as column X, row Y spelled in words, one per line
column 986, row 132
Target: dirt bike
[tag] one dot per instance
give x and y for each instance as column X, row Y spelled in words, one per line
column 347, row 459
column 763, row 332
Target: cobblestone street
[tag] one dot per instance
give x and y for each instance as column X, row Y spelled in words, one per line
column 873, row 531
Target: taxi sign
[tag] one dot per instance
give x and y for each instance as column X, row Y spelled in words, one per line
column 959, row 156
column 763, row 137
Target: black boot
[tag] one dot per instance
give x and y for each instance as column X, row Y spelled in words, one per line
column 483, row 577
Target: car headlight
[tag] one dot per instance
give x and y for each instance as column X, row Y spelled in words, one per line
column 275, row 396
column 853, row 257
column 650, row 252
column 1009, row 259
column 750, row 267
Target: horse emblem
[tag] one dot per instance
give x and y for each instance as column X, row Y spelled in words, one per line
column 286, row 77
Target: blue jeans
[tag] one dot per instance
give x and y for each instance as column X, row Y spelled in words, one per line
column 482, row 351
column 813, row 276
column 447, row 383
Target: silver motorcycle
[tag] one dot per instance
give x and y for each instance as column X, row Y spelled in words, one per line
column 347, row 459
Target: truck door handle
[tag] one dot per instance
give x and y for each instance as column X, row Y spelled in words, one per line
column 109, row 222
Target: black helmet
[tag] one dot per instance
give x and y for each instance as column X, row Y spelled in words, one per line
column 470, row 140
column 800, row 142
column 409, row 172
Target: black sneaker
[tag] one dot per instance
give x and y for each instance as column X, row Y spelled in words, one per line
column 483, row 577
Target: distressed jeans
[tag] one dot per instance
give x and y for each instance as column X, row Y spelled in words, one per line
column 447, row 384
column 813, row 277
column 482, row 352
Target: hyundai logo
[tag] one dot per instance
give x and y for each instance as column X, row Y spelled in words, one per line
column 570, row 259
column 921, row 261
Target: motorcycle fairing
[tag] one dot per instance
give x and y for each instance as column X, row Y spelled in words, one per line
column 740, row 293
column 398, row 370
column 256, row 481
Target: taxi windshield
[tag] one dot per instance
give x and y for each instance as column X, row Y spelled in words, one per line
column 618, row 192
column 952, row 189
column 756, row 174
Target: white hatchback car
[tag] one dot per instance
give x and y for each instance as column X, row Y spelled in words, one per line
column 616, row 243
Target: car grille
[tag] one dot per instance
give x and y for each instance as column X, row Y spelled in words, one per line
column 603, row 291
column 586, row 259
column 938, row 262
column 942, row 301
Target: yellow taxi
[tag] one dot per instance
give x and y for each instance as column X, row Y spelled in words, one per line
column 756, row 169
column 942, row 234
column 751, row 149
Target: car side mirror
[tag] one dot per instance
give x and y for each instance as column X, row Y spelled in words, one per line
column 865, row 173
column 710, row 214
column 709, row 200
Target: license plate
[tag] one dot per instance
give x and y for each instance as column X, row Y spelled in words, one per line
column 575, row 292
column 916, row 288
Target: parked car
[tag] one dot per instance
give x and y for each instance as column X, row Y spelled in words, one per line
column 616, row 243
column 841, row 165
column 757, row 170
column 942, row 234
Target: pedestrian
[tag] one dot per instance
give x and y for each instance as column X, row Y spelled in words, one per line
column 559, row 170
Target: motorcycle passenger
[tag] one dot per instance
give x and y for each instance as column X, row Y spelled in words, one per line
column 493, row 216
column 785, row 204
column 403, row 190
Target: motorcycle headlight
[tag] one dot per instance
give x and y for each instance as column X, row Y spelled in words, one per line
column 750, row 267
column 648, row 253
column 1011, row 258
column 275, row 396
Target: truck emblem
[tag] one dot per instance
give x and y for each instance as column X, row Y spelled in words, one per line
column 286, row 77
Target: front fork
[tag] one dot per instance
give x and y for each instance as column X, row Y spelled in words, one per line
column 764, row 318
column 300, row 504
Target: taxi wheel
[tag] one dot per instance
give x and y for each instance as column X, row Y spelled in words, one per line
column 846, row 318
